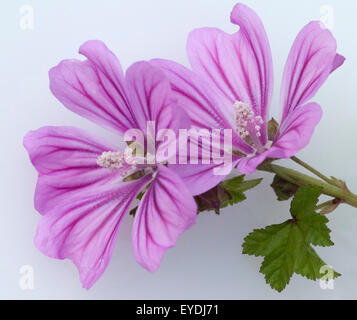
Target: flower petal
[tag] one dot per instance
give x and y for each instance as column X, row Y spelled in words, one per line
column 296, row 131
column 166, row 210
column 294, row 135
column 248, row 165
column 239, row 65
column 85, row 231
column 94, row 88
column 201, row 177
column 337, row 62
column 312, row 58
column 259, row 64
column 206, row 107
column 66, row 160
column 151, row 96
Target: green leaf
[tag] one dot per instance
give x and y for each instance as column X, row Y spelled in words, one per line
column 237, row 184
column 283, row 189
column 312, row 224
column 236, row 188
column 286, row 247
column 228, row 192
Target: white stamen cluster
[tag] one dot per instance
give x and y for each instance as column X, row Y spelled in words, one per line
column 115, row 160
column 111, row 160
column 244, row 116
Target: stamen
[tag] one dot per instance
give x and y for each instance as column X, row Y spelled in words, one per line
column 111, row 160
column 246, row 121
column 115, row 160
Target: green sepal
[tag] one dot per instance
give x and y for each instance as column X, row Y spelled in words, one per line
column 283, row 189
column 228, row 192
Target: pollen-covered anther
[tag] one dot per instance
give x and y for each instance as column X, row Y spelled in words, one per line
column 111, row 160
column 246, row 121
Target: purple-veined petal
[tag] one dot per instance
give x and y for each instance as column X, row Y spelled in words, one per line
column 149, row 92
column 337, row 62
column 95, row 88
column 85, row 230
column 294, row 135
column 66, row 160
column 248, row 165
column 239, row 65
column 296, row 131
column 255, row 40
column 166, row 210
column 205, row 105
column 312, row 58
column 205, row 160
column 151, row 96
column 201, row 177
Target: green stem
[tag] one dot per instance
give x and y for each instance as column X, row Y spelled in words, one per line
column 311, row 169
column 301, row 179
column 323, row 205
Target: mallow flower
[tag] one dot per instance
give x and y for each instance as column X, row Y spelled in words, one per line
column 86, row 186
column 231, row 85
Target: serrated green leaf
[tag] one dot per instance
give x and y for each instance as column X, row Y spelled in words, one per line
column 283, row 189
column 278, row 266
column 313, row 224
column 228, row 192
column 286, row 247
column 261, row 242
column 236, row 186
column 309, row 265
column 236, row 198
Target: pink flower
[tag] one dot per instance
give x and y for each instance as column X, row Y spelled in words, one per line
column 82, row 201
column 231, row 85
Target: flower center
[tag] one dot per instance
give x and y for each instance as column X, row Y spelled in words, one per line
column 114, row 160
column 111, row 160
column 248, row 125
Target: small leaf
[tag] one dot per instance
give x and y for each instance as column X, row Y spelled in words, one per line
column 238, row 184
column 212, row 199
column 286, row 247
column 235, row 187
column 283, row 189
column 228, row 192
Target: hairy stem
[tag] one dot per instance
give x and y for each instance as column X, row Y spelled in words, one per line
column 323, row 205
column 311, row 169
column 301, row 179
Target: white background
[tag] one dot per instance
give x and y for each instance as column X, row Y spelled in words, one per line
column 207, row 262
